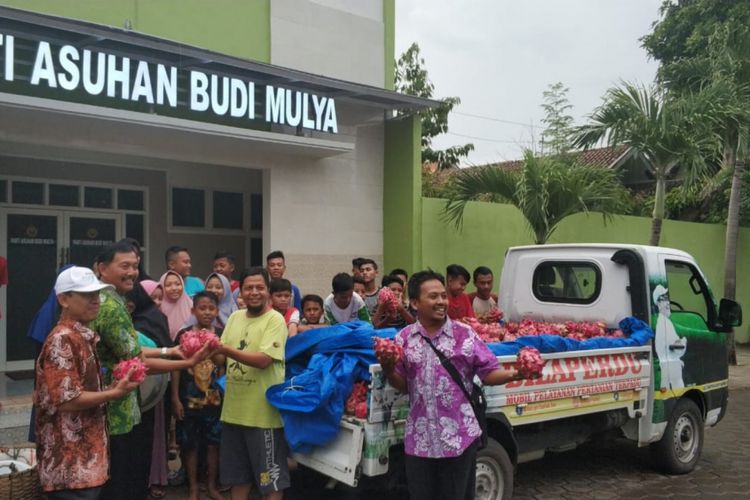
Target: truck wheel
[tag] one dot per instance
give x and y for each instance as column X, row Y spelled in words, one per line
column 494, row 480
column 680, row 447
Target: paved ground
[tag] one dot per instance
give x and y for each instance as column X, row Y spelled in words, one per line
column 617, row 470
column 621, row 470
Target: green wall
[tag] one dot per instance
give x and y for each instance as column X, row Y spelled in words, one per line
column 489, row 229
column 402, row 199
column 240, row 28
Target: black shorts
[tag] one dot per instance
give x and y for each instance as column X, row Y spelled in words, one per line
column 194, row 431
column 250, row 455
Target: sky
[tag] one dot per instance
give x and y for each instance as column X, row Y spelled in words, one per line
column 499, row 56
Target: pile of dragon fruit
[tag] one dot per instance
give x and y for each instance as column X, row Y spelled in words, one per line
column 192, row 341
column 387, row 297
column 357, row 403
column 510, row 331
column 123, row 367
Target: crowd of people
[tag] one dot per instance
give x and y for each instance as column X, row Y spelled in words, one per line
column 97, row 438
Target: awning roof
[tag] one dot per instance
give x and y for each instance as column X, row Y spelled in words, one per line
column 129, row 43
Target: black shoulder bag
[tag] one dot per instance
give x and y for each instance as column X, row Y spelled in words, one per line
column 476, row 398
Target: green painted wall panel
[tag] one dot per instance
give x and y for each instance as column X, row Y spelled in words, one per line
column 240, row 28
column 107, row 13
column 489, row 229
column 389, row 27
column 402, row 200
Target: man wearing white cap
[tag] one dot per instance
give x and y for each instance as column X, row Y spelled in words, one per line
column 71, row 427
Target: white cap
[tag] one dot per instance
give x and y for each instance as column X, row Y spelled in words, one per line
column 78, row 279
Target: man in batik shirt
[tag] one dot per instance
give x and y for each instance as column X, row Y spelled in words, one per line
column 71, row 428
column 442, row 433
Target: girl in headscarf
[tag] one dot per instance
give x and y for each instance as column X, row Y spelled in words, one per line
column 154, row 290
column 176, row 304
column 219, row 285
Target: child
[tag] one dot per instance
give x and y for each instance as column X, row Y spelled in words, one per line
column 356, row 263
column 312, row 313
column 154, row 290
column 401, row 273
column 359, row 286
column 343, row 304
column 224, row 264
column 198, row 411
column 281, row 299
column 218, row 284
column 369, row 271
column 395, row 319
column 459, row 306
column 483, row 300
column 276, row 267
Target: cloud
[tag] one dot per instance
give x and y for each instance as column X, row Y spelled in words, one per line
column 499, row 56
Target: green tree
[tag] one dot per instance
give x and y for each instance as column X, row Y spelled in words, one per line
column 412, row 78
column 556, row 136
column 546, row 190
column 706, row 44
column 667, row 132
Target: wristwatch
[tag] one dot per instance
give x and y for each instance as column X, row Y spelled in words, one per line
column 163, row 353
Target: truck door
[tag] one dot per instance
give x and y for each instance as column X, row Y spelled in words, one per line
column 690, row 353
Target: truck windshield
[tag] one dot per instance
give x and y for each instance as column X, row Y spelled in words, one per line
column 688, row 291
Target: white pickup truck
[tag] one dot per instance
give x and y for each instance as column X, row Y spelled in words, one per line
column 661, row 394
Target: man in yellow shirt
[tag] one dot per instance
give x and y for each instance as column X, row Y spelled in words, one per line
column 253, row 449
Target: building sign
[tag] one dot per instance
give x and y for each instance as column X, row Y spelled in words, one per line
column 109, row 78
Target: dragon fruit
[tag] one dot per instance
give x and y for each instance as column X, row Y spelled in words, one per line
column 361, row 410
column 529, row 363
column 510, row 331
column 123, row 367
column 387, row 297
column 193, row 341
column 356, row 398
column 385, row 348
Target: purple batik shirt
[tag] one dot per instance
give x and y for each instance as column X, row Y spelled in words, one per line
column 441, row 422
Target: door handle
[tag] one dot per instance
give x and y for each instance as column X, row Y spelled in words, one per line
column 674, row 347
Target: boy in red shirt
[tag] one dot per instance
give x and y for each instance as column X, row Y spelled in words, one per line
column 459, row 305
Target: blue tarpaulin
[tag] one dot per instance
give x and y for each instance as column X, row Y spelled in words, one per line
column 323, row 364
column 637, row 333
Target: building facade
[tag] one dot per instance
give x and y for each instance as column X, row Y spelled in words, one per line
column 243, row 126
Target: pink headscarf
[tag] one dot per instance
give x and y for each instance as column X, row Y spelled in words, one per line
column 150, row 286
column 178, row 312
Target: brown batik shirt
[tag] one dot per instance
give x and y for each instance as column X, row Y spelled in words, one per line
column 72, row 446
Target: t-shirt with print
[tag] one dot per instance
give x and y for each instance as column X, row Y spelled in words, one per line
column 119, row 341
column 194, row 401
column 355, row 311
column 245, row 400
column 371, row 301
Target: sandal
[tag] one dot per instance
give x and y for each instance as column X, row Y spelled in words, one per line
column 157, row 492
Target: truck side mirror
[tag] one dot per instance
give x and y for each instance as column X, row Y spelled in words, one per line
column 730, row 313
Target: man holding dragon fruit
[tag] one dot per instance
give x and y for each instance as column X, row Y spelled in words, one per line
column 442, row 432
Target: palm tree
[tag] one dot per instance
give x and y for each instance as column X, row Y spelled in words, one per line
column 668, row 133
column 546, row 190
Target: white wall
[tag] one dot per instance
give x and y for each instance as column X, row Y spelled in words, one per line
column 337, row 38
column 324, row 212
